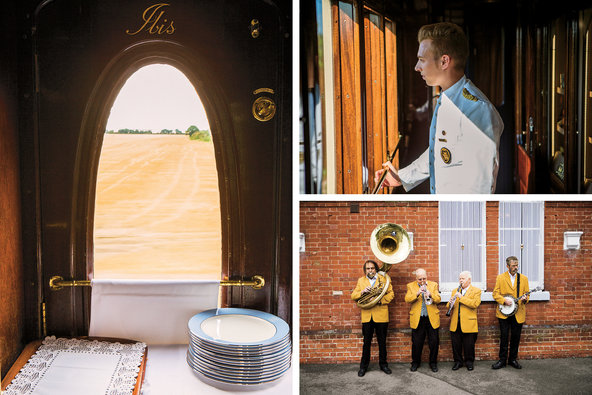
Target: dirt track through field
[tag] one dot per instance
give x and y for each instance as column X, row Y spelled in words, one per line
column 157, row 209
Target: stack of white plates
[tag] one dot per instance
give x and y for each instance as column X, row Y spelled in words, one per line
column 238, row 348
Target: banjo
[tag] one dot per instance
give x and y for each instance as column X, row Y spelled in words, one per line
column 511, row 309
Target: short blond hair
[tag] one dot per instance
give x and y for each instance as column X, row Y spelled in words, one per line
column 447, row 39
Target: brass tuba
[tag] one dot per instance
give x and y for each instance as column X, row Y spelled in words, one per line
column 391, row 244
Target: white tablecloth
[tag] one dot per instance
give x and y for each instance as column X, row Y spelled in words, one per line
column 157, row 313
column 154, row 312
column 167, row 372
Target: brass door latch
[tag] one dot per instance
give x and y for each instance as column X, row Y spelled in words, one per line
column 57, row 282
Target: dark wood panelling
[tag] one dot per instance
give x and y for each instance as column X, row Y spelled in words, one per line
column 564, row 142
column 335, row 36
column 587, row 99
column 11, row 284
column 366, row 108
column 11, row 263
column 348, row 98
column 392, row 102
column 518, row 90
column 375, row 93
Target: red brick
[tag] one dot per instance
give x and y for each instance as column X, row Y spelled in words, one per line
column 337, row 244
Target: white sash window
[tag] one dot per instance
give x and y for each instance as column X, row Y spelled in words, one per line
column 462, row 243
column 521, row 231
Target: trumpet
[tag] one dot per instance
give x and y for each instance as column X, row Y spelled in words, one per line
column 453, row 301
column 427, row 299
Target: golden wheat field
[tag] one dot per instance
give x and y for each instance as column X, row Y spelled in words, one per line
column 157, row 212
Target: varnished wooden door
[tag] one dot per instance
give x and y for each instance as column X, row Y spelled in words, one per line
column 237, row 55
column 365, row 91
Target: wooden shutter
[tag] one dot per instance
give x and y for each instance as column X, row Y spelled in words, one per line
column 348, row 109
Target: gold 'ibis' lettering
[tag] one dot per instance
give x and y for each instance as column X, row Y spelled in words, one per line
column 154, row 21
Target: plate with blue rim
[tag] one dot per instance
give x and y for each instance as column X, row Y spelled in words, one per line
column 247, row 363
column 232, row 372
column 238, row 352
column 238, row 327
column 238, row 379
column 237, row 387
column 238, row 346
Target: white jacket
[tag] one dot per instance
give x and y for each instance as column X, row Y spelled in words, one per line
column 463, row 155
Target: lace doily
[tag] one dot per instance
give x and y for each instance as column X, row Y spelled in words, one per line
column 124, row 359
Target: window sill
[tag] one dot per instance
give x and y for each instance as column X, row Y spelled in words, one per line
column 488, row 296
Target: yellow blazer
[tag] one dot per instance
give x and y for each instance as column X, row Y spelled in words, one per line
column 468, row 310
column 415, row 309
column 503, row 286
column 378, row 313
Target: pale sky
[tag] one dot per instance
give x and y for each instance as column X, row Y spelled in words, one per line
column 157, row 97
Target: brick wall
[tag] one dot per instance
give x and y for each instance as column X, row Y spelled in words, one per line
column 337, row 244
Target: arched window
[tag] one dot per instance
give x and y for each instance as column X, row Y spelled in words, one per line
column 157, row 210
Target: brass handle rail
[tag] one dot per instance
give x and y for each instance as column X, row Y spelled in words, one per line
column 57, row 282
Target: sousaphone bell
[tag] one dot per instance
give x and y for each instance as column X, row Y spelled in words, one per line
column 391, row 244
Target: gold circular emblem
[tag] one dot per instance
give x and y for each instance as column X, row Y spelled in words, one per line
column 263, row 109
column 446, row 155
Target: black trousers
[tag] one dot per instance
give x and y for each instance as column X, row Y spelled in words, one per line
column 511, row 327
column 368, row 329
column 462, row 341
column 418, row 336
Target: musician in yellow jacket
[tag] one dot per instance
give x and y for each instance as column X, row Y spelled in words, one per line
column 510, row 283
column 424, row 318
column 375, row 318
column 463, row 321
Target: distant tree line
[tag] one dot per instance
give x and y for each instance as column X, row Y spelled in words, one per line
column 196, row 134
column 130, row 131
column 192, row 131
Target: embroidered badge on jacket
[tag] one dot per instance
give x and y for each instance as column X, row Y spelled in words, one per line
column 468, row 95
column 446, row 155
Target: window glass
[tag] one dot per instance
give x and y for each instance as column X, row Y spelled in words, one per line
column 462, row 243
column 521, row 235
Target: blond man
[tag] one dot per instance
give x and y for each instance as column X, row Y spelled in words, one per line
column 465, row 131
column 424, row 318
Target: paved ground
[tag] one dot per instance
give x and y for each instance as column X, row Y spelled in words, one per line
column 541, row 376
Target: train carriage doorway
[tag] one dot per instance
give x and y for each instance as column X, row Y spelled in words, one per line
column 157, row 203
column 237, row 56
